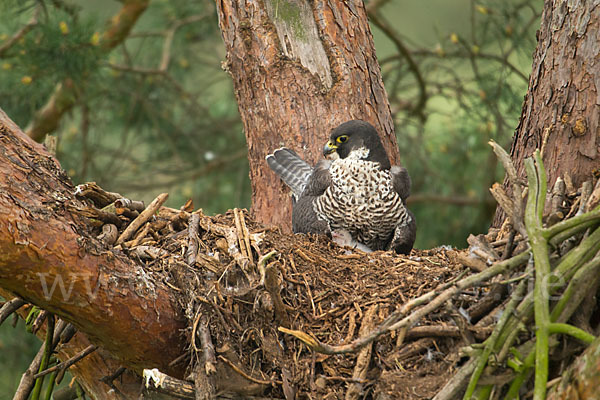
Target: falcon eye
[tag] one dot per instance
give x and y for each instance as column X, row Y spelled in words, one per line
column 342, row 139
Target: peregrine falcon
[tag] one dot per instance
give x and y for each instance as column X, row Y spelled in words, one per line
column 354, row 193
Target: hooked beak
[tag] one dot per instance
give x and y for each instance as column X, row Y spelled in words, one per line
column 329, row 148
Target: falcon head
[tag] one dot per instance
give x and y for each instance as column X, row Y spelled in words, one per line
column 356, row 139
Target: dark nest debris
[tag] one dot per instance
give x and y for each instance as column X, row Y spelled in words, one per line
column 282, row 316
column 310, row 285
column 241, row 281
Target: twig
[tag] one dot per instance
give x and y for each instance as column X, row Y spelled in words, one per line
column 170, row 34
column 507, row 204
column 33, row 21
column 243, row 235
column 571, row 330
column 462, row 55
column 534, row 209
column 461, row 322
column 100, row 197
column 424, row 331
column 510, row 245
column 586, row 192
column 412, row 65
column 66, row 364
column 572, row 223
column 164, row 383
column 245, row 375
column 27, row 381
column 575, row 292
column 109, row 234
column 67, row 334
column 134, row 205
column 565, row 270
column 205, row 370
column 364, row 356
column 39, row 320
column 594, row 198
column 272, row 286
column 230, row 234
column 515, row 386
column 192, row 250
column 262, row 265
column 50, row 387
column 453, row 387
column 165, row 58
column 492, row 342
column 10, row 307
column 108, row 379
column 517, row 194
column 142, row 218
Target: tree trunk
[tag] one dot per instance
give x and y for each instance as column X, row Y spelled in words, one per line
column 561, row 109
column 582, row 379
column 299, row 69
column 48, row 258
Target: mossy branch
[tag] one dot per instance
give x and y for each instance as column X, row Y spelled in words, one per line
column 571, row 330
column 492, row 342
column 48, row 349
column 536, row 177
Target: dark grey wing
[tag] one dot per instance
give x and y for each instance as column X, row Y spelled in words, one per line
column 404, row 234
column 292, row 170
column 406, row 231
column 305, row 219
column 401, row 182
column 304, row 216
column 319, row 179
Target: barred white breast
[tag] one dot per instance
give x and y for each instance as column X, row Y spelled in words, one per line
column 361, row 200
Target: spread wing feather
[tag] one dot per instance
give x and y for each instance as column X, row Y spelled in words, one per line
column 292, row 170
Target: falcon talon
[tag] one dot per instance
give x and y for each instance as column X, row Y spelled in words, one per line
column 353, row 194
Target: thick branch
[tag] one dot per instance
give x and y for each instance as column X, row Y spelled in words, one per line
column 49, row 259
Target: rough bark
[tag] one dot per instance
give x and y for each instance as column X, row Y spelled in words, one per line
column 299, row 69
column 561, row 109
column 582, row 379
column 48, row 258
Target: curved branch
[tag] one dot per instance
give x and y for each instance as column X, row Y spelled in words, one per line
column 50, row 260
column 412, row 65
column 65, row 95
column 20, row 33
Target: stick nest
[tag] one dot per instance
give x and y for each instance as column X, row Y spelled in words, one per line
column 295, row 316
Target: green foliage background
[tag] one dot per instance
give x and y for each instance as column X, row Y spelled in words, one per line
column 139, row 133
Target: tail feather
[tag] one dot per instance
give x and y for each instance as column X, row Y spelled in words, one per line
column 292, row 170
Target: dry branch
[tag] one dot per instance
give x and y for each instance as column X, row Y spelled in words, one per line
column 67, row 363
column 10, row 307
column 207, row 367
column 364, row 356
column 162, row 383
column 142, row 218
